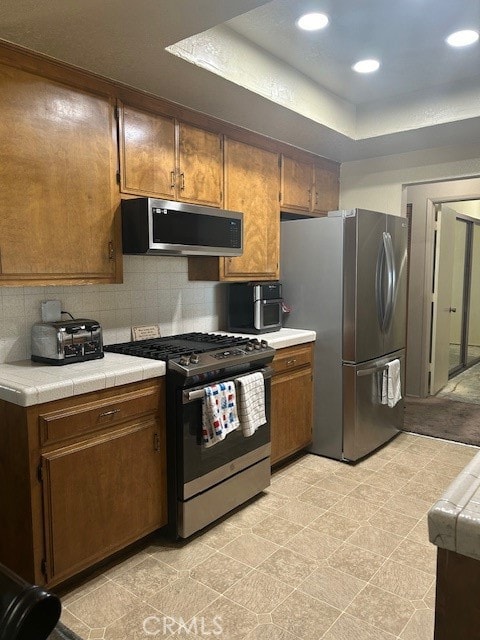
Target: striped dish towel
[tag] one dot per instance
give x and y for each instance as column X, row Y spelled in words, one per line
column 219, row 412
column 251, row 402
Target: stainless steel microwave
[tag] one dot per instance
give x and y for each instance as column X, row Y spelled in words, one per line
column 254, row 307
column 155, row 227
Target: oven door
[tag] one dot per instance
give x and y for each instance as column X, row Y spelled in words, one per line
column 200, row 467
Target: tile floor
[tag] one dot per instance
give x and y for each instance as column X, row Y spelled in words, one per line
column 330, row 551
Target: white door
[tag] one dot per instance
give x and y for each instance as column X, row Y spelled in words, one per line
column 442, row 298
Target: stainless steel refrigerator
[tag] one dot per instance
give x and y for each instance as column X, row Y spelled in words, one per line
column 344, row 276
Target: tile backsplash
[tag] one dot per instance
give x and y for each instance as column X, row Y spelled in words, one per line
column 155, row 290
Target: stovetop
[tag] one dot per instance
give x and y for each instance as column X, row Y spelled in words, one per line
column 193, row 353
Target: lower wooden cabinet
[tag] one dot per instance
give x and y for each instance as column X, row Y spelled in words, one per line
column 88, row 491
column 292, row 401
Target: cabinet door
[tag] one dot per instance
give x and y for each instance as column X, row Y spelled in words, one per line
column 291, row 418
column 326, row 189
column 200, row 161
column 101, row 494
column 296, row 184
column 147, row 146
column 251, row 182
column 58, row 196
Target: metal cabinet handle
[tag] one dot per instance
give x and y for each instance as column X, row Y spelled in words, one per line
column 182, row 183
column 172, row 179
column 112, row 412
column 293, row 361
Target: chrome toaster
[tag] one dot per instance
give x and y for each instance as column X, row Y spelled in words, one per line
column 68, row 341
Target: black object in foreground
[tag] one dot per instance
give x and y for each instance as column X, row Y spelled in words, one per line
column 27, row 612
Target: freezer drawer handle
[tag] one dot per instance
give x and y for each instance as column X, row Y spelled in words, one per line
column 369, row 371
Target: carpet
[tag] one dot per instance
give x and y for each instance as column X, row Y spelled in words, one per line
column 443, row 418
column 61, row 632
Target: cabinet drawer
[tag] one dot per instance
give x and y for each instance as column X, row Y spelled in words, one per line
column 85, row 417
column 292, row 358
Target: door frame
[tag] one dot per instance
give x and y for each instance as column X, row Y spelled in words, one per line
column 423, row 197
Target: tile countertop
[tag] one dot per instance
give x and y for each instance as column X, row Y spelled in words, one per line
column 279, row 339
column 27, row 383
column 454, row 520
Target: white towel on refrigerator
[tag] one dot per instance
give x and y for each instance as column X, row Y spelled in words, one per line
column 391, row 383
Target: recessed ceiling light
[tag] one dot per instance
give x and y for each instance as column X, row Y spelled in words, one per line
column 366, row 66
column 312, row 21
column 462, row 38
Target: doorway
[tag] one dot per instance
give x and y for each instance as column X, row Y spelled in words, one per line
column 422, row 200
column 455, row 336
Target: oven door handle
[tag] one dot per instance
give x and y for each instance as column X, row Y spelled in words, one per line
column 198, row 393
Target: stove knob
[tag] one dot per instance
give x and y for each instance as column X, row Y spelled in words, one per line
column 194, row 358
column 249, row 346
column 264, row 344
column 256, row 345
column 184, row 360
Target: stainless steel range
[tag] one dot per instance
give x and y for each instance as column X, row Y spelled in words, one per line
column 205, row 483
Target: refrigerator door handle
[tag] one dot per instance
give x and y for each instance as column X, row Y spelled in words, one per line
column 391, row 280
column 370, row 370
column 379, row 295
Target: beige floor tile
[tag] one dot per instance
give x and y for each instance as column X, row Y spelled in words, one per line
column 183, row 598
column 393, row 521
column 419, row 533
column 300, row 513
column 418, row 556
column 349, row 628
column 233, row 620
column 433, row 479
column 381, row 542
column 368, row 492
column 422, row 490
column 381, row 609
column 372, row 463
column 82, row 589
column 428, row 446
column 103, row 605
column 276, row 529
column 332, row 586
column 385, row 481
column 270, row 501
column 313, row 544
column 356, row 561
column 352, row 472
column 429, row 599
column 404, row 581
column 73, row 623
column 337, row 484
column 319, row 463
column 413, row 460
column 408, row 505
column 147, row 577
column 305, row 474
column 220, row 535
column 250, row 549
column 334, row 525
column 355, row 508
column 269, row 632
column 289, row 566
column 180, row 555
column 304, row 617
column 97, row 634
column 259, row 592
column 288, row 486
column 420, row 626
column 219, row 572
column 399, row 471
column 139, row 623
column 320, row 498
column 248, row 516
column 449, row 472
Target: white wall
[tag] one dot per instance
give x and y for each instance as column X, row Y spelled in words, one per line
column 376, row 183
column 155, row 290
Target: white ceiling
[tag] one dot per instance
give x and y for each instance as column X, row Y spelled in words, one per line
column 252, row 67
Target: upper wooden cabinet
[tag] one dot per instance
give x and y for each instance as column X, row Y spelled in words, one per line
column 308, row 186
column 163, row 158
column 58, row 196
column 251, row 186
